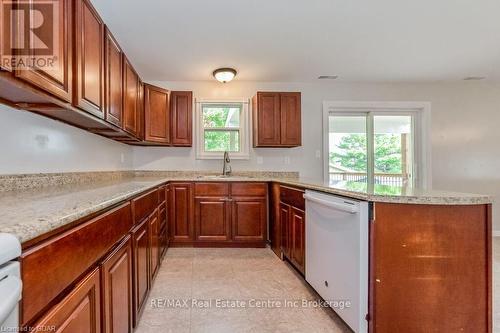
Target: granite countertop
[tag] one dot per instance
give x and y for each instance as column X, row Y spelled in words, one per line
column 31, row 212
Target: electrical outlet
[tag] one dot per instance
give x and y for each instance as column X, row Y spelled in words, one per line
column 122, row 157
column 287, row 160
column 318, row 154
column 260, row 160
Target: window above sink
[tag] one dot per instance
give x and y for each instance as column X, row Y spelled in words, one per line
column 222, row 126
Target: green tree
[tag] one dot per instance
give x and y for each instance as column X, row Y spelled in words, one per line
column 219, row 140
column 388, row 158
column 351, row 153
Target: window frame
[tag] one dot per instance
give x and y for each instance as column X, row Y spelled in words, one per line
column 421, row 112
column 244, row 133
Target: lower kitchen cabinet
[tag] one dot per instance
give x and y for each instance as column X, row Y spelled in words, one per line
column 116, row 274
column 79, row 311
column 284, row 216
column 249, row 219
column 154, row 241
column 141, row 255
column 122, row 248
column 212, row 219
column 164, row 220
column 219, row 214
column 181, row 210
column 297, row 231
column 274, row 218
column 292, row 226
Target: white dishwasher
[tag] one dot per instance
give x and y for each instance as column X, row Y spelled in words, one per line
column 337, row 254
column 10, row 283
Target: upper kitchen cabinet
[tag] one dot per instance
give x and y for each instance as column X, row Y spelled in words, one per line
column 113, row 79
column 156, row 114
column 131, row 104
column 181, row 107
column 140, row 110
column 277, row 119
column 56, row 76
column 89, row 59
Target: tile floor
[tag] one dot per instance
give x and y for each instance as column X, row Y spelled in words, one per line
column 231, row 274
column 242, row 274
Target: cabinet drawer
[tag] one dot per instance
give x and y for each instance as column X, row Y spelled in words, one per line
column 211, row 189
column 51, row 267
column 248, row 189
column 144, row 205
column 79, row 311
column 293, row 197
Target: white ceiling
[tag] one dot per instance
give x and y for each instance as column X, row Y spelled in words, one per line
column 298, row 40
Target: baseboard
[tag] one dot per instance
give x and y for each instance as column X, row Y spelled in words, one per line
column 496, row 233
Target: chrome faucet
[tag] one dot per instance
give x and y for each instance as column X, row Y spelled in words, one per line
column 226, row 167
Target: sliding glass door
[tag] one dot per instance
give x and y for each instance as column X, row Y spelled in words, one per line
column 371, row 148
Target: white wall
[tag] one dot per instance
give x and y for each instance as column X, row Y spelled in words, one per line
column 34, row 144
column 465, row 130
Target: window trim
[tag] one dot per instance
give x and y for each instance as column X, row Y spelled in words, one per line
column 422, row 128
column 244, row 153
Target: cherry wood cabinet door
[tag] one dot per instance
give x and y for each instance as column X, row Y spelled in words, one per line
column 89, row 67
column 291, row 123
column 297, row 246
column 131, row 118
column 154, row 236
column 116, row 274
column 56, row 78
column 181, row 107
column 163, row 242
column 141, row 255
column 284, row 216
column 168, row 217
column 249, row 219
column 267, row 118
column 274, row 218
column 140, row 109
column 181, row 226
column 79, row 312
column 113, row 80
column 156, row 114
column 212, row 219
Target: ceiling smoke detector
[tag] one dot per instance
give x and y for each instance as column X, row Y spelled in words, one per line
column 328, row 77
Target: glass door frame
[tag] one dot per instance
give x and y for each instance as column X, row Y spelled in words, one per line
column 420, row 113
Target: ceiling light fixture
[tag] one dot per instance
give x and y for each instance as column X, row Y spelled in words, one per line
column 224, row 75
column 328, row 77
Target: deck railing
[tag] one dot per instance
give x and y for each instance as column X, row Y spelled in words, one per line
column 380, row 178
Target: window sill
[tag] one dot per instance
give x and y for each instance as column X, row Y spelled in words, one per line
column 220, row 156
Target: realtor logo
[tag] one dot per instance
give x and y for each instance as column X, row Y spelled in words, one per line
column 29, row 33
